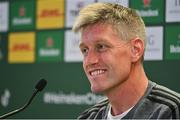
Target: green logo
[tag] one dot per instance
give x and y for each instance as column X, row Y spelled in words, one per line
column 152, row 11
column 172, row 42
column 22, row 15
column 50, row 46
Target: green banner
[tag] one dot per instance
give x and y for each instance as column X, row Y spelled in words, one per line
column 152, row 11
column 172, row 42
column 22, row 15
column 50, row 46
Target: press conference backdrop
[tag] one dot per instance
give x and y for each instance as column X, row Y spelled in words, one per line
column 36, row 42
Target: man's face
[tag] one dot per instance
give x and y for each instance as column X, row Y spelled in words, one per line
column 107, row 58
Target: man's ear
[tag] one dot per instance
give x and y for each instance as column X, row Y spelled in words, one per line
column 137, row 49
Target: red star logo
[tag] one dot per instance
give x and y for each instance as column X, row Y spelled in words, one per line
column 22, row 11
column 146, row 3
column 50, row 42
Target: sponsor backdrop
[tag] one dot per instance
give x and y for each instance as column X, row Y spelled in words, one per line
column 36, row 42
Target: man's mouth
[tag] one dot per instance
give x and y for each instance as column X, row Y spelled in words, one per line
column 97, row 72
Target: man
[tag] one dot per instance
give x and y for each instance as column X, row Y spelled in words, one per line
column 112, row 43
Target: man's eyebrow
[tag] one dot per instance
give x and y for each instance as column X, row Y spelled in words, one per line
column 81, row 44
column 101, row 41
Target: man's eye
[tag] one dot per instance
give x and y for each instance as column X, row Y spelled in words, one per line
column 101, row 47
column 84, row 51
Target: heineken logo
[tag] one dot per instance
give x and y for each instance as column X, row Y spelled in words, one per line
column 22, row 15
column 20, row 21
column 146, row 3
column 49, row 52
column 152, row 11
column 49, row 46
column 22, row 11
column 148, row 13
column 24, row 20
column 172, row 42
column 174, row 49
column 49, row 42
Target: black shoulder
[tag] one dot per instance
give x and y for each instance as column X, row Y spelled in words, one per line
column 167, row 97
column 94, row 110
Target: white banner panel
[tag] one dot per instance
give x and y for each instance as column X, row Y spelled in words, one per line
column 4, row 10
column 72, row 10
column 154, row 47
column 121, row 2
column 72, row 51
column 172, row 10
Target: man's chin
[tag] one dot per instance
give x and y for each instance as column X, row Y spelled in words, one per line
column 96, row 90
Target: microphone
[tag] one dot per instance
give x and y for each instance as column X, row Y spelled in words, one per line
column 39, row 87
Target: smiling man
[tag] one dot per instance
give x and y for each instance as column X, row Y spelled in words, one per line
column 112, row 43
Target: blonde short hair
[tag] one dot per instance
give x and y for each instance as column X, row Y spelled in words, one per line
column 125, row 21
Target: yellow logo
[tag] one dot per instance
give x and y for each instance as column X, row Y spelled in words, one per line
column 50, row 14
column 21, row 47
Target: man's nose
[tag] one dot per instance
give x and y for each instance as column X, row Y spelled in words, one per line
column 91, row 58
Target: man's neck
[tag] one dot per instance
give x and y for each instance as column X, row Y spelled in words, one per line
column 128, row 93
